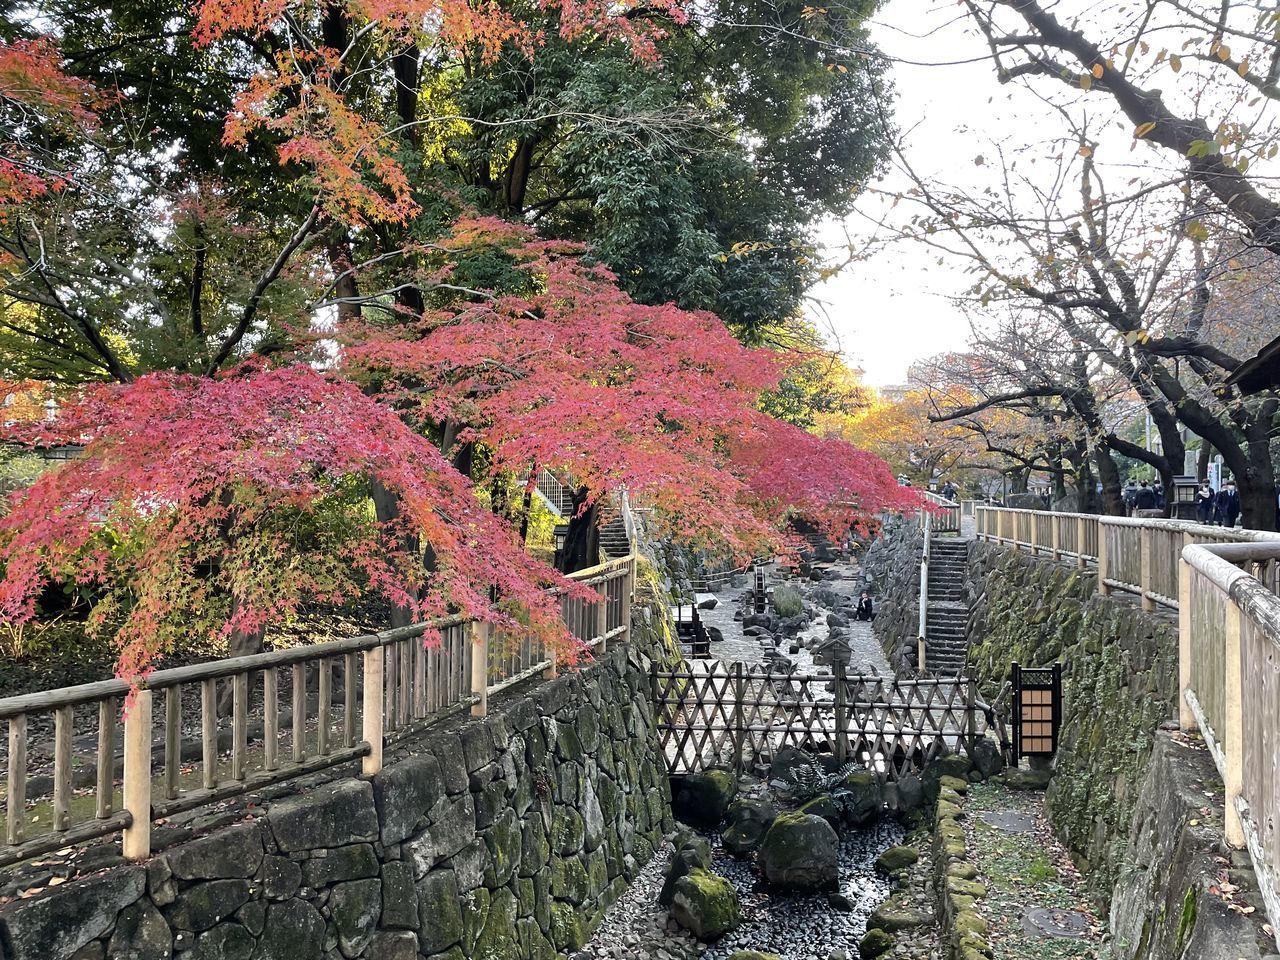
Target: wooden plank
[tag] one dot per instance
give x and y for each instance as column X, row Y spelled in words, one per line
column 16, row 781
column 299, row 712
column 350, row 678
column 63, row 723
column 209, row 733
column 239, row 725
column 106, row 772
column 324, row 706
column 172, row 741
column 271, row 718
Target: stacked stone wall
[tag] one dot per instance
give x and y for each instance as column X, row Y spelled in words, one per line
column 500, row 838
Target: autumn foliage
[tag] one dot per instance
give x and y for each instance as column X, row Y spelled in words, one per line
column 565, row 371
column 227, row 503
column 218, row 504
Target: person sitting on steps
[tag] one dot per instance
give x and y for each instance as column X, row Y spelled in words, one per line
column 865, row 611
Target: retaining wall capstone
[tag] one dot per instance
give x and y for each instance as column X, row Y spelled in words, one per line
column 498, row 839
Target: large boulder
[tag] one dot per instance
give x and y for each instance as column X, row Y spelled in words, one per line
column 800, row 852
column 703, row 799
column 748, row 821
column 786, row 761
column 705, row 905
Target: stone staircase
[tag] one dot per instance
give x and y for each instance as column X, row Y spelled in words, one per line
column 614, row 542
column 946, row 646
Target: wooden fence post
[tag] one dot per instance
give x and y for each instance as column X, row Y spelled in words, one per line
column 628, row 598
column 971, row 712
column 371, row 713
column 1233, row 724
column 1103, row 588
column 136, row 841
column 841, row 718
column 602, row 617
column 1146, row 548
column 480, row 668
column 1186, row 718
column 1055, row 536
column 739, row 716
column 1081, row 527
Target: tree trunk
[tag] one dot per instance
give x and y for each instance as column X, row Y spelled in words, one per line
column 386, row 506
column 582, row 541
column 1112, row 501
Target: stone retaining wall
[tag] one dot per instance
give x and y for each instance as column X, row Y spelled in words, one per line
column 891, row 570
column 1181, row 894
column 1119, row 678
column 497, row 839
column 1140, row 813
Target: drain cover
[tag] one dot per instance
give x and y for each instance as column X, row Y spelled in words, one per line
column 1039, row 922
column 1009, row 822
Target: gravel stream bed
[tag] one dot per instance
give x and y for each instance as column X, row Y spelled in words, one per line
column 793, row 926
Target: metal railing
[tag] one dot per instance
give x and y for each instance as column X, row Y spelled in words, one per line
column 1229, row 689
column 1138, row 556
column 292, row 713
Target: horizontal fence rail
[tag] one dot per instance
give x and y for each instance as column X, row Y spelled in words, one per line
column 79, row 765
column 740, row 716
column 945, row 513
column 1229, row 689
column 1137, row 556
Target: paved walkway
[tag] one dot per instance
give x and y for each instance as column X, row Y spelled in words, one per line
column 1036, row 904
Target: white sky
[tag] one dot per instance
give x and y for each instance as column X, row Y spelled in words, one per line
column 894, row 308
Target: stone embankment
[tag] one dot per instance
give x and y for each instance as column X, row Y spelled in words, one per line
column 1138, row 808
column 503, row 838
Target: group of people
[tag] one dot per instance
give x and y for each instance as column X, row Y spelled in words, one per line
column 1142, row 496
column 1221, row 508
column 1217, row 507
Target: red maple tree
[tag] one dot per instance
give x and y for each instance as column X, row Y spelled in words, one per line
column 566, row 371
column 224, row 504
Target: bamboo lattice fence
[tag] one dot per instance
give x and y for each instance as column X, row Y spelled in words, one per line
column 739, row 716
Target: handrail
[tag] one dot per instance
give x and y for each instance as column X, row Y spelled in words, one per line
column 923, row 616
column 947, row 512
column 388, row 686
column 1228, row 686
column 1132, row 555
column 1225, row 586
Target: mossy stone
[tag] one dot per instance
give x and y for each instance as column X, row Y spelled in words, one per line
column 568, row 929
column 497, row 940
column 568, row 831
column 948, row 811
column 706, row 905
column 874, row 944
column 893, row 917
column 969, row 888
column 958, row 784
column 897, row 858
column 753, row 955
column 969, row 921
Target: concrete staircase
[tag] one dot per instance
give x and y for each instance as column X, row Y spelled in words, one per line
column 946, row 646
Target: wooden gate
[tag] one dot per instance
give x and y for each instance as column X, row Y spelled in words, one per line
column 713, row 714
column 1037, row 710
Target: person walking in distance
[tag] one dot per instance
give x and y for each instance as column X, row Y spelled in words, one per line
column 1228, row 504
column 1205, row 498
column 1145, row 498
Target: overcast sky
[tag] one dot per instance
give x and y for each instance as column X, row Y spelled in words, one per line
column 896, row 307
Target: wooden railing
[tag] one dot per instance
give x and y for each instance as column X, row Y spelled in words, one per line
column 946, row 513
column 1138, row 556
column 1229, row 689
column 292, row 713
